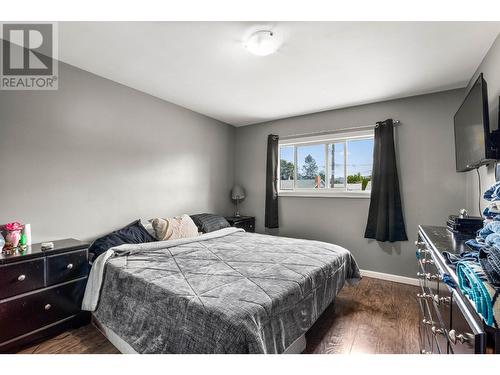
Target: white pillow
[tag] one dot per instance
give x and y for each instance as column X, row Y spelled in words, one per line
column 173, row 228
column 148, row 226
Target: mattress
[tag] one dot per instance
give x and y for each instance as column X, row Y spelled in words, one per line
column 225, row 292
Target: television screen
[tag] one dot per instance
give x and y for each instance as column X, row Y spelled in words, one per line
column 472, row 131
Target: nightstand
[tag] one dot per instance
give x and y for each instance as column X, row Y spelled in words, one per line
column 244, row 222
column 41, row 292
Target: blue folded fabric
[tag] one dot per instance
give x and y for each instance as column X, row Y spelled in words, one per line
column 491, row 214
column 493, row 193
column 493, row 277
column 492, row 239
column 494, row 260
column 489, row 228
column 453, row 259
column 447, row 279
column 483, row 232
column 478, row 273
column 471, row 282
column 489, row 257
column 474, row 244
column 494, row 226
column 485, row 255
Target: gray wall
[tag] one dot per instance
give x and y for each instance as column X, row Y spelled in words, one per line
column 490, row 66
column 95, row 155
column 431, row 189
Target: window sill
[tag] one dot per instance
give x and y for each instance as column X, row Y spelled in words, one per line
column 325, row 194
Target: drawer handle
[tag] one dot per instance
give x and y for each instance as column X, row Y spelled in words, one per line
column 428, row 276
column 443, row 300
column 21, row 278
column 437, row 331
column 420, row 245
column 48, row 306
column 422, row 252
column 423, row 295
column 462, row 338
column 69, row 266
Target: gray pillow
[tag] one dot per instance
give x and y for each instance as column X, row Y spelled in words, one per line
column 209, row 222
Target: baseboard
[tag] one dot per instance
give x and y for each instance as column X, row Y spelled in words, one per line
column 390, row 277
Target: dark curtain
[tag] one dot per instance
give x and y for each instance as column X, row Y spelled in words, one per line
column 385, row 217
column 271, row 220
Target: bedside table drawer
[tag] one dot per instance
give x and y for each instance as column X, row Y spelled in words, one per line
column 244, row 222
column 248, row 226
column 21, row 277
column 65, row 267
column 22, row 315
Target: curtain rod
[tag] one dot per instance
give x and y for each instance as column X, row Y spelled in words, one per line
column 325, row 132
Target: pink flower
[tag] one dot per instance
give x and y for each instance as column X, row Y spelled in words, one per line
column 13, row 226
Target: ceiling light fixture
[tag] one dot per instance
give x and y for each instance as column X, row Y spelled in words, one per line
column 262, row 43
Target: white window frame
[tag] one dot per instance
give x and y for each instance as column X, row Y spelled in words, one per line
column 324, row 139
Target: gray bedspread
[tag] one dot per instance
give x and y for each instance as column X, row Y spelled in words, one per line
column 232, row 292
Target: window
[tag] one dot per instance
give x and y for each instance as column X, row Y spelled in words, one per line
column 287, row 167
column 310, row 167
column 337, row 164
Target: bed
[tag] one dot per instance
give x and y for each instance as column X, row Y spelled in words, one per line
column 226, row 291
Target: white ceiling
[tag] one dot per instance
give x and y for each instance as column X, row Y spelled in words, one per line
column 203, row 66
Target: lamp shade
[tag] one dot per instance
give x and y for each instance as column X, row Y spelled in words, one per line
column 237, row 192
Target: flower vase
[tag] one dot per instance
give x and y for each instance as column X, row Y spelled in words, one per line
column 13, row 237
column 13, row 233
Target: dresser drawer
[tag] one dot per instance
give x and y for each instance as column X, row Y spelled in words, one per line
column 21, row 277
column 65, row 267
column 21, row 315
column 466, row 335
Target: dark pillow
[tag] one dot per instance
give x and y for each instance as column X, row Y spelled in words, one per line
column 209, row 222
column 132, row 233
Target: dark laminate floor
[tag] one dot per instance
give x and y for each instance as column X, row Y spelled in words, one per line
column 373, row 317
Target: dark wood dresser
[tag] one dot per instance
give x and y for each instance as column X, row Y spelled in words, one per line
column 41, row 292
column 244, row 222
column 449, row 322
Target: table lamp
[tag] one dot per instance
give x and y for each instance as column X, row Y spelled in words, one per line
column 237, row 193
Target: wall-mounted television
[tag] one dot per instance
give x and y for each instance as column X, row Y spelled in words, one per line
column 475, row 145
